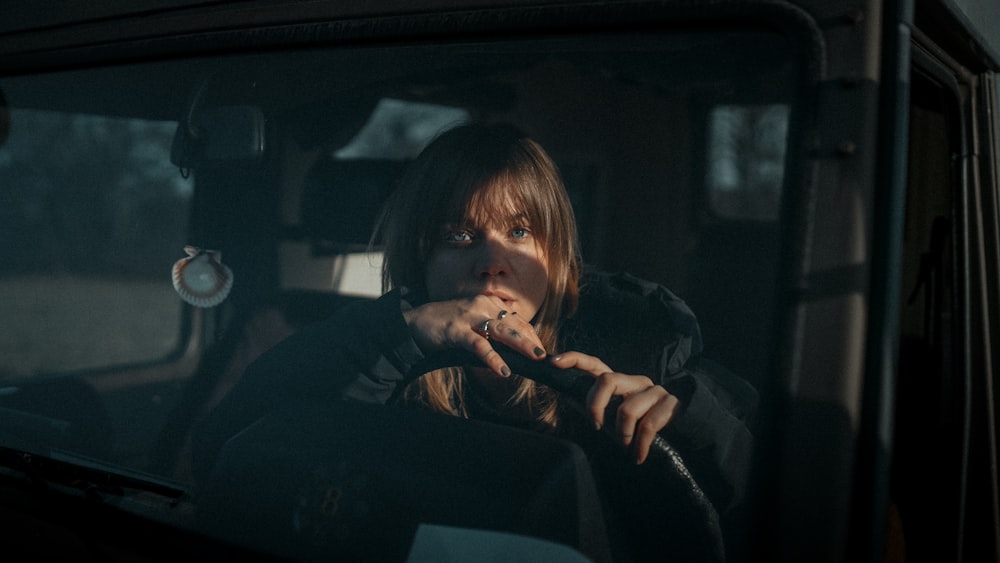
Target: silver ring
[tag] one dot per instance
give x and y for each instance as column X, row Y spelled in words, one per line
column 484, row 328
column 501, row 315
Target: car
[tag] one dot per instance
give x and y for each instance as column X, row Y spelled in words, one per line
column 187, row 184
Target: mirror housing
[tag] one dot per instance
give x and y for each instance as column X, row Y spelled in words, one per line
column 220, row 135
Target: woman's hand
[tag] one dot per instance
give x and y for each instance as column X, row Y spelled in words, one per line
column 646, row 408
column 472, row 324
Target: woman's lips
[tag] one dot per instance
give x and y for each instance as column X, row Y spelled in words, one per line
column 507, row 299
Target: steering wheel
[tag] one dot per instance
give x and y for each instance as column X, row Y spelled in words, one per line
column 690, row 529
column 316, row 481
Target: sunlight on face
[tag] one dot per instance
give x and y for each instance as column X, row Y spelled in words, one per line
column 490, row 252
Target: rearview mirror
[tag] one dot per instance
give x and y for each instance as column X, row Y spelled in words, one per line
column 219, row 135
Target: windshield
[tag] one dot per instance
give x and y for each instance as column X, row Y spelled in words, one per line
column 167, row 223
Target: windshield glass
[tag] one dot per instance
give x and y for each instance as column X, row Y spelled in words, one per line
column 169, row 222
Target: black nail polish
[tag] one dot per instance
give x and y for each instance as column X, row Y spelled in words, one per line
column 539, row 352
column 505, row 371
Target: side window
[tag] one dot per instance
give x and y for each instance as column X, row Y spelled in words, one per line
column 92, row 215
column 746, row 159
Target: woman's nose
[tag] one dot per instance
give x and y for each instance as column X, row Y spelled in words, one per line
column 492, row 259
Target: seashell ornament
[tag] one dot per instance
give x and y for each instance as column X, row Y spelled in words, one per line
column 202, row 279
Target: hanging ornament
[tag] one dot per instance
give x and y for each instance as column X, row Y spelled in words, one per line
column 202, row 279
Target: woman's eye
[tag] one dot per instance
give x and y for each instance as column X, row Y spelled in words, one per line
column 457, row 236
column 520, row 232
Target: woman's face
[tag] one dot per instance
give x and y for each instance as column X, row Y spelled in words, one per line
column 493, row 253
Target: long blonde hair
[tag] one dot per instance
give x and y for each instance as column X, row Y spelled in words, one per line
column 469, row 169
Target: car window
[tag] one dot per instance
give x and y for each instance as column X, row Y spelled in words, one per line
column 92, row 211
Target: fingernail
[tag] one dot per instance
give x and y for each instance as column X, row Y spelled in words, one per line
column 557, row 358
column 539, row 352
column 505, row 371
column 597, row 425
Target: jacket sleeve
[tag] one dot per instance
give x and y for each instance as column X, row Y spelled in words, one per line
column 363, row 352
column 712, row 431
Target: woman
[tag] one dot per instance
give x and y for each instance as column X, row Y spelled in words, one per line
column 480, row 250
column 482, row 233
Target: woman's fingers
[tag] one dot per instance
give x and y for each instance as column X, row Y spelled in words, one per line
column 610, row 385
column 590, row 364
column 482, row 348
column 504, row 327
column 644, row 414
column 601, row 392
column 474, row 324
column 516, row 333
column 607, row 385
column 509, row 329
column 645, row 408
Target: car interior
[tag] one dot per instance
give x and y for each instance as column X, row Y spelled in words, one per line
column 672, row 147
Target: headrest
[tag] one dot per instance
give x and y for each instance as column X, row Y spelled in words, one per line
column 341, row 200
